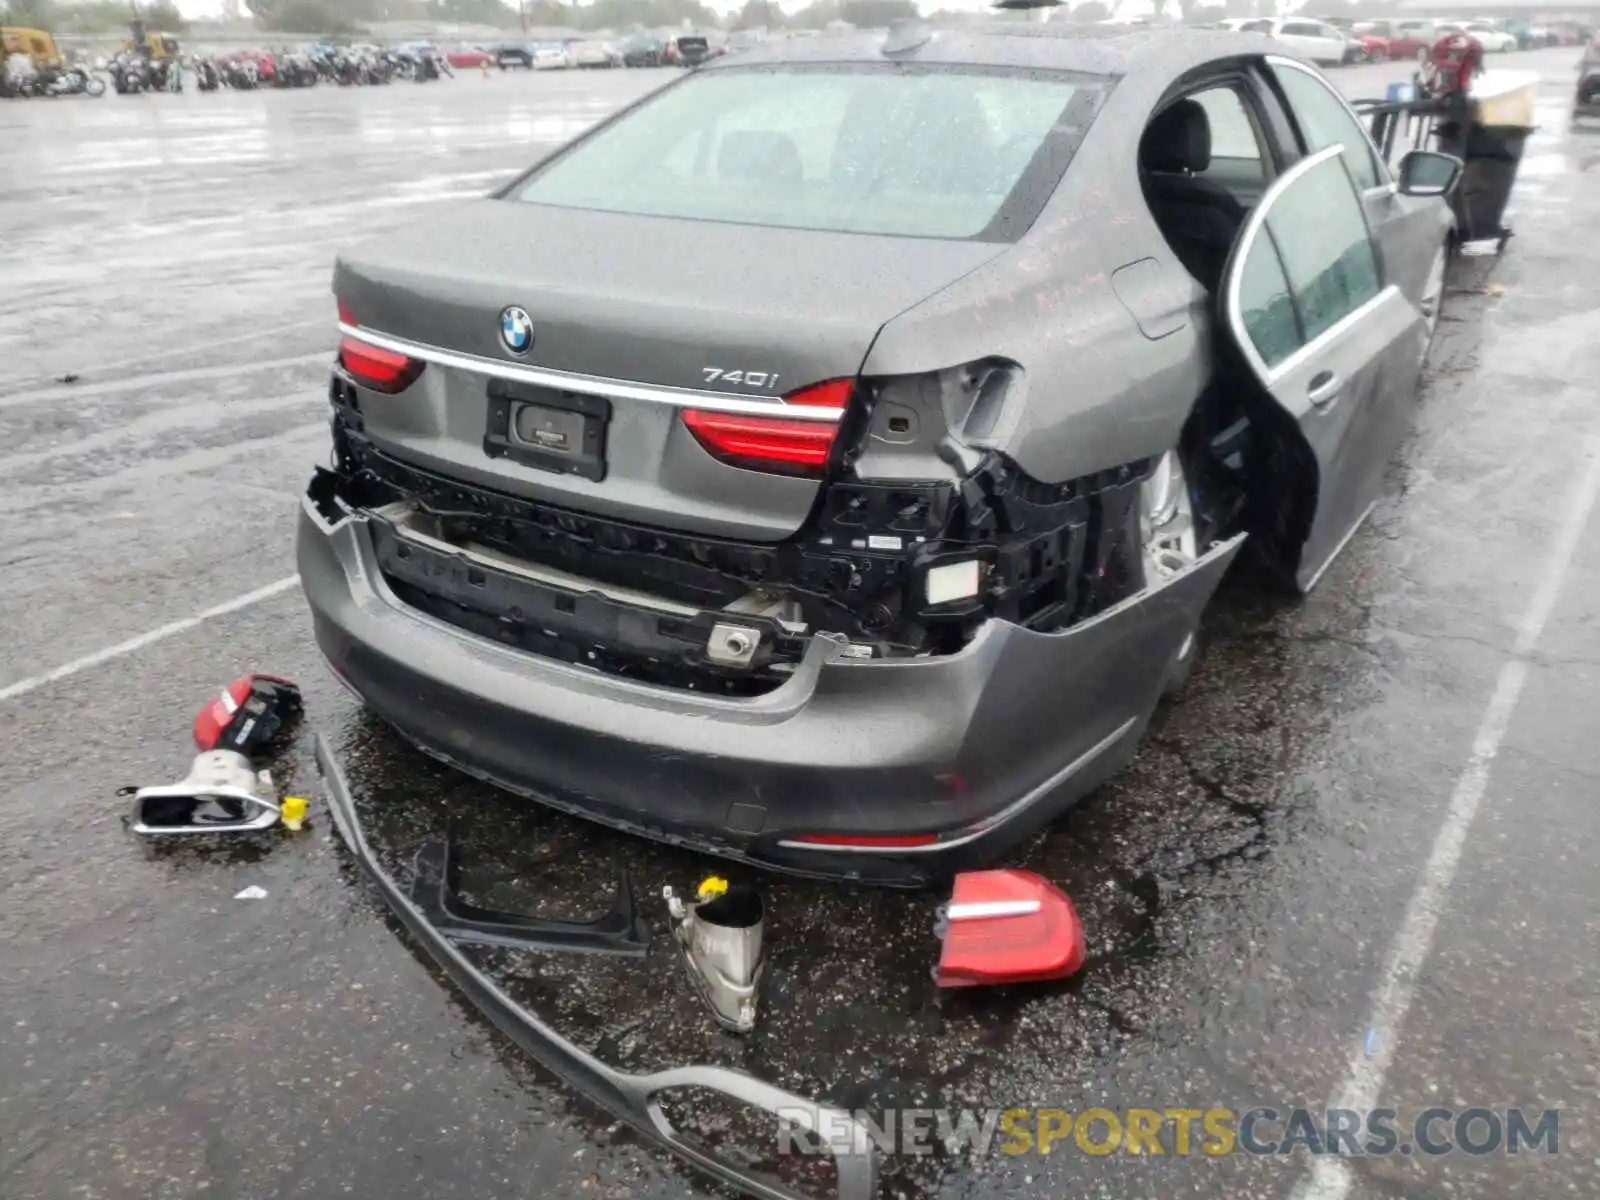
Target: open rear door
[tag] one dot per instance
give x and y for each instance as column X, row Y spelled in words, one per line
column 1336, row 345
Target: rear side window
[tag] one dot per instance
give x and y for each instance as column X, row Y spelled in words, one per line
column 922, row 153
column 1325, row 121
column 1310, row 265
column 1232, row 135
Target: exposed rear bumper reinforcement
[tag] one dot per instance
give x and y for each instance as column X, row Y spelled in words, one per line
column 629, row 1098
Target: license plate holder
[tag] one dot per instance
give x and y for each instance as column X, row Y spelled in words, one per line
column 548, row 429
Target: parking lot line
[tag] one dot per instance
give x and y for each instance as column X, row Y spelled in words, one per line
column 23, row 686
column 1330, row 1177
column 160, row 379
column 256, row 335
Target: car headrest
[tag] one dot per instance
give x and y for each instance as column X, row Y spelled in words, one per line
column 759, row 156
column 1177, row 140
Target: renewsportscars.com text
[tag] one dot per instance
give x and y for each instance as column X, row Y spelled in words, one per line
column 1210, row 1132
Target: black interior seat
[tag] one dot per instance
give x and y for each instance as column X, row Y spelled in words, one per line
column 1198, row 216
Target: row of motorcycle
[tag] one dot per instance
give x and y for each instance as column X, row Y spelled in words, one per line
column 131, row 73
column 66, row 81
column 344, row 66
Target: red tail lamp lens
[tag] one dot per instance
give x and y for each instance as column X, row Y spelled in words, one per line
column 374, row 367
column 782, row 445
column 835, row 393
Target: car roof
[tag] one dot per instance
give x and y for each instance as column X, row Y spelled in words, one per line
column 1092, row 49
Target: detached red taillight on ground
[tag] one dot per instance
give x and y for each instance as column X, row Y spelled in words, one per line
column 1008, row 926
column 372, row 366
column 247, row 714
column 784, row 445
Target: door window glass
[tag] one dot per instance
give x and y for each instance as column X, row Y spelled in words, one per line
column 1309, row 266
column 1324, row 121
column 1327, row 251
column 1265, row 304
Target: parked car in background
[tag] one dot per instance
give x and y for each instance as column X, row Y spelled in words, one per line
column 1493, row 40
column 693, row 49
column 512, row 55
column 1360, row 48
column 469, row 57
column 1322, row 44
column 1401, row 39
column 595, row 54
column 551, row 56
column 643, row 49
column 1374, row 47
column 1425, row 34
column 1247, row 25
column 1586, row 102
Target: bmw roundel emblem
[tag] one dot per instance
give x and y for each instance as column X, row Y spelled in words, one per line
column 516, row 330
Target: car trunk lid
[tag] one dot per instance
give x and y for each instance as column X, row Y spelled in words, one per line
column 647, row 316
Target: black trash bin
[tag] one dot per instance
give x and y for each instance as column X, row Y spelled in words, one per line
column 1491, row 154
column 1486, row 131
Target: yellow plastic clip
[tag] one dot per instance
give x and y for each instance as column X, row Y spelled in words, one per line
column 711, row 885
column 293, row 812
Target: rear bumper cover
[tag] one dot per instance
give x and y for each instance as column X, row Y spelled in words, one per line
column 978, row 748
column 633, row 1099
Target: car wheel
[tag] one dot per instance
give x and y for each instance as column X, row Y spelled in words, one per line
column 1169, row 543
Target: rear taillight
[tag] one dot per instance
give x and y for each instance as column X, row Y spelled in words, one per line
column 373, row 367
column 778, row 444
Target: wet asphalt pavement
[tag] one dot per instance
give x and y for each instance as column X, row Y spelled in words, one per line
column 1270, row 864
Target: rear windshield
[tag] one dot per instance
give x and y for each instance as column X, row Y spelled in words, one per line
column 929, row 153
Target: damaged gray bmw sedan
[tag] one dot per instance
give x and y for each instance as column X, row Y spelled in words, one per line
column 825, row 461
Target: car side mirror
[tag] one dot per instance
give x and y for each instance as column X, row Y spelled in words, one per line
column 1429, row 173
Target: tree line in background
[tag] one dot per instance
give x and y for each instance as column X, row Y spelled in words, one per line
column 336, row 17
column 95, row 16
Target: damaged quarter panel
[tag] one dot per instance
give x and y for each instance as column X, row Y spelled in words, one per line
column 1100, row 389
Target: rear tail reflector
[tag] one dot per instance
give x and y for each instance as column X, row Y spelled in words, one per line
column 779, row 444
column 374, row 367
column 864, row 841
column 1008, row 926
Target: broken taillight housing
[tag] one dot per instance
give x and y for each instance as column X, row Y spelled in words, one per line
column 783, row 445
column 373, row 367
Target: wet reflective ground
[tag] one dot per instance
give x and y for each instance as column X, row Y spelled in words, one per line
column 1270, row 863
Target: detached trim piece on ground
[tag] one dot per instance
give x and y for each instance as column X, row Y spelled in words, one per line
column 629, row 1098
